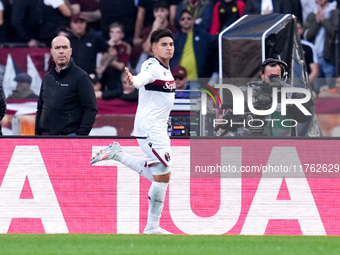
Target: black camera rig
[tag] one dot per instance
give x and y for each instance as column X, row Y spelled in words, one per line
column 250, row 124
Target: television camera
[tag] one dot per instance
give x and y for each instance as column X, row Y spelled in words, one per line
column 250, row 124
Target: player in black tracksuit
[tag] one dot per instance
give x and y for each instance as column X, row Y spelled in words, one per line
column 67, row 103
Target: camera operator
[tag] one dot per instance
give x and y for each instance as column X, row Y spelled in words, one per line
column 273, row 74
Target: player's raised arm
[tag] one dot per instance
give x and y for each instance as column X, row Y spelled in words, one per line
column 144, row 77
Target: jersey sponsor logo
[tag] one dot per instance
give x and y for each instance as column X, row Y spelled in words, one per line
column 170, row 85
column 161, row 85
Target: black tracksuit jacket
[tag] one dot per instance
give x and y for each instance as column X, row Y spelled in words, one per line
column 67, row 103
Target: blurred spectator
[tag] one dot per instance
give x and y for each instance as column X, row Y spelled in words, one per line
column 266, row 6
column 307, row 7
column 320, row 28
column 161, row 15
column 130, row 94
column 194, row 48
column 294, row 7
column 113, row 63
column 23, row 89
column 143, row 52
column 85, row 44
column 202, row 11
column 22, row 20
column 89, row 9
column 123, row 12
column 6, row 31
column 95, row 81
column 146, row 18
column 310, row 55
column 1, row 13
column 225, row 13
column 173, row 10
column 51, row 14
column 2, row 104
column 180, row 75
column 325, row 91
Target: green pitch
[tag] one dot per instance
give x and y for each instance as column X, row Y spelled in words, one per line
column 82, row 244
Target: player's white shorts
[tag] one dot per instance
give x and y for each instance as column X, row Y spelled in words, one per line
column 156, row 149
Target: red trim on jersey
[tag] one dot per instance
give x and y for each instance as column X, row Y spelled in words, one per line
column 160, row 85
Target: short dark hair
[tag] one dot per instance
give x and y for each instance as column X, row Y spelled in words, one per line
column 160, row 33
column 117, row 24
column 274, row 62
column 160, row 4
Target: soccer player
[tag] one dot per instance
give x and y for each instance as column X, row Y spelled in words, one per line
column 156, row 97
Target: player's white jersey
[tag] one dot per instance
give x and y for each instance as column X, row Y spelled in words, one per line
column 156, row 98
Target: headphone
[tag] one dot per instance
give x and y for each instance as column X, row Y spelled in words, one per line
column 274, row 61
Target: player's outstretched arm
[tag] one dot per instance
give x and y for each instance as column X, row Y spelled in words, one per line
column 143, row 78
